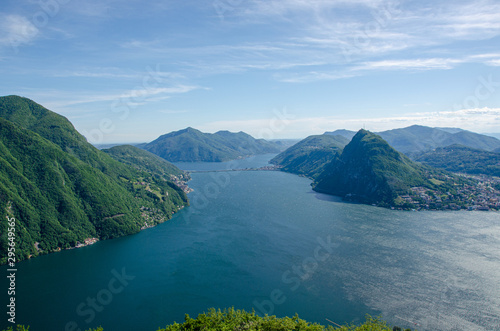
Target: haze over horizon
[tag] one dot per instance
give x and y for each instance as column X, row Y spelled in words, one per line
column 126, row 71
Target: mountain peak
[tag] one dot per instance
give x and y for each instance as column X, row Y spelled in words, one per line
column 370, row 170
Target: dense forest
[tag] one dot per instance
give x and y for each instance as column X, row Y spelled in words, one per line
column 63, row 191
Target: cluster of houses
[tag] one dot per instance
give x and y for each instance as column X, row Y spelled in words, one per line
column 484, row 195
column 86, row 242
column 182, row 183
column 151, row 217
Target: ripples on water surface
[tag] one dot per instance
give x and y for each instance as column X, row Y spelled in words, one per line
column 251, row 235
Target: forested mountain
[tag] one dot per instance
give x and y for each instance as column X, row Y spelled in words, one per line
column 309, row 156
column 459, row 158
column 145, row 161
column 369, row 170
column 61, row 190
column 191, row 145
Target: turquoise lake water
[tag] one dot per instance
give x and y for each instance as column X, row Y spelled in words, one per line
column 264, row 240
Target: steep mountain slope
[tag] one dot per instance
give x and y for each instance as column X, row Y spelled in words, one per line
column 191, row 145
column 61, row 190
column 159, row 168
column 458, row 158
column 310, row 156
column 371, row 171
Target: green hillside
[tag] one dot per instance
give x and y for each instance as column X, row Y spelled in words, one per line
column 310, row 156
column 371, row 171
column 191, row 145
column 61, row 190
column 144, row 161
column 458, row 158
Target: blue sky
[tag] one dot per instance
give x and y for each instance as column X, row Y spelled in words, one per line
column 131, row 70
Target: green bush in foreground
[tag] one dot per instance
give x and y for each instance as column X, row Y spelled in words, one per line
column 239, row 320
column 231, row 319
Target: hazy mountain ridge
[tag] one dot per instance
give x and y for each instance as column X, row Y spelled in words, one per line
column 459, row 158
column 310, row 156
column 416, row 139
column 61, row 190
column 191, row 145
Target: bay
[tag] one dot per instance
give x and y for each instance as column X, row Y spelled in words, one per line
column 264, row 240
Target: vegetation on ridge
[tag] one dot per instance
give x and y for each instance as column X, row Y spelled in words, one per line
column 191, row 145
column 310, row 156
column 458, row 158
column 371, row 171
column 235, row 320
column 63, row 192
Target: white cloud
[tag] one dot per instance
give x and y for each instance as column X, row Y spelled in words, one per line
column 171, row 111
column 16, row 30
column 412, row 64
column 493, row 63
column 64, row 102
column 477, row 120
column 357, row 33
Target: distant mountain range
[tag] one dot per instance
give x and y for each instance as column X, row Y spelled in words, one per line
column 62, row 191
column 191, row 145
column 416, row 139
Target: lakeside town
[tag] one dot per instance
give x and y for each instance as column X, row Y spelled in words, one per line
column 481, row 193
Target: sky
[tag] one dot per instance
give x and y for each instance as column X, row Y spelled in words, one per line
column 132, row 70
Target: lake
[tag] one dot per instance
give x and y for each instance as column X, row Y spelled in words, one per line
column 264, row 240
